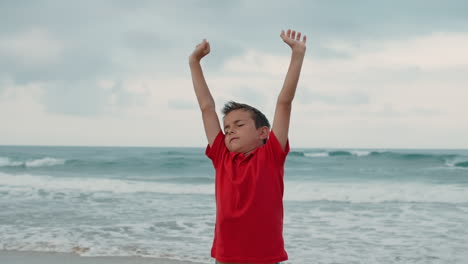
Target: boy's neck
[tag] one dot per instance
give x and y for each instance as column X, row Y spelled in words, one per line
column 252, row 150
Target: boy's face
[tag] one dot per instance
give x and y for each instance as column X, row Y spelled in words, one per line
column 241, row 134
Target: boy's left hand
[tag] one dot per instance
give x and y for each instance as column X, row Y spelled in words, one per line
column 294, row 40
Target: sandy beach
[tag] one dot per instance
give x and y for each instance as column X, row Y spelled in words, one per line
column 29, row 257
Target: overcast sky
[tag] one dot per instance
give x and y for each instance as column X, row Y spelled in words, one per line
column 377, row 74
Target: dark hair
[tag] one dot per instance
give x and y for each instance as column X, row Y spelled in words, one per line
column 258, row 117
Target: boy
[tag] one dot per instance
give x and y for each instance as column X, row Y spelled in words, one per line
column 249, row 162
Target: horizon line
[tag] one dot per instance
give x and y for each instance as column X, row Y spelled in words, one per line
column 140, row 146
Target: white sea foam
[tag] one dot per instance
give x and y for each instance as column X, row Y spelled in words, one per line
column 103, row 242
column 5, row 162
column 314, row 155
column 360, row 153
column 43, row 162
column 374, row 192
column 453, row 162
column 100, row 185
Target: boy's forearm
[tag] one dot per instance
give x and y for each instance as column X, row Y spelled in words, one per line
column 205, row 100
column 292, row 77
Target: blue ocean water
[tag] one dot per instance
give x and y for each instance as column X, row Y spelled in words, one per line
column 341, row 205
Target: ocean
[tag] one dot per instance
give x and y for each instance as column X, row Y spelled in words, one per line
column 341, row 205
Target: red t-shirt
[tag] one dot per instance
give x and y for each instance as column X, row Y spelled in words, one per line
column 249, row 202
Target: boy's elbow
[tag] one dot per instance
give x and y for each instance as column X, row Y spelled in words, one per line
column 207, row 107
column 284, row 101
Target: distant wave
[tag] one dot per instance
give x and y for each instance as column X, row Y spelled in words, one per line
column 43, row 162
column 6, row 162
column 376, row 154
column 169, row 160
column 316, row 155
column 411, row 156
column 462, row 164
column 337, row 153
column 173, row 160
column 296, row 153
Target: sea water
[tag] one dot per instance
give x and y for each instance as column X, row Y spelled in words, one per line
column 341, row 205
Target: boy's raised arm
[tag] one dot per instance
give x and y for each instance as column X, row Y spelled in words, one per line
column 286, row 96
column 205, row 100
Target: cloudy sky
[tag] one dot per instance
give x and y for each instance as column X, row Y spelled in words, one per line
column 377, row 74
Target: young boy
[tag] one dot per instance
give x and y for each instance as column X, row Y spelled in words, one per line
column 249, row 162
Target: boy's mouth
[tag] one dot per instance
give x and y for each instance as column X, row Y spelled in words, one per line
column 233, row 139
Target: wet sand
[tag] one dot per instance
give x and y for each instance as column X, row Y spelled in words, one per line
column 29, row 257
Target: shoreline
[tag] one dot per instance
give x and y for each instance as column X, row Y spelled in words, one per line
column 36, row 257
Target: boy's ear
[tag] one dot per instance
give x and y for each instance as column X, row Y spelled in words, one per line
column 264, row 132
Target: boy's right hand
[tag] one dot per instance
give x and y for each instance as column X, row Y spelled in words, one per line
column 201, row 50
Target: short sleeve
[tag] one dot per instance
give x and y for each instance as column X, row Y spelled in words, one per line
column 273, row 147
column 218, row 150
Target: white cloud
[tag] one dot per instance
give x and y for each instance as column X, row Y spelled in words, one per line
column 34, row 47
column 438, row 51
column 435, row 51
column 379, row 70
column 386, row 94
column 106, row 84
column 257, row 62
column 381, row 90
column 26, row 122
